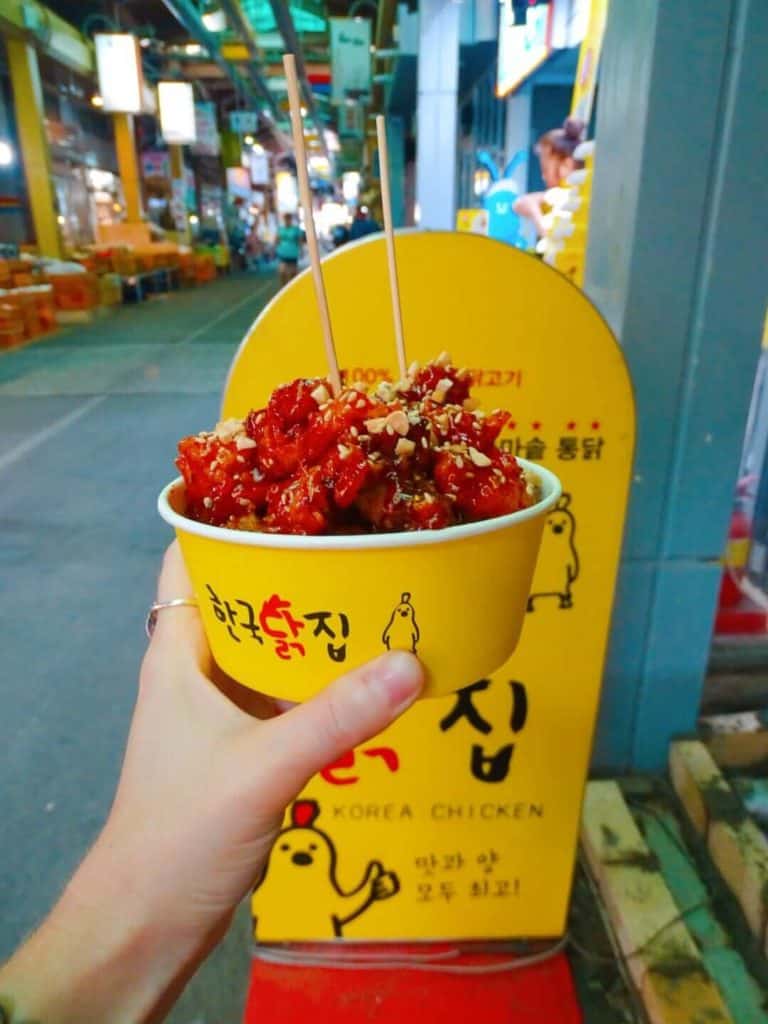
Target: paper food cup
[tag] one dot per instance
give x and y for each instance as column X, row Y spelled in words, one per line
column 287, row 614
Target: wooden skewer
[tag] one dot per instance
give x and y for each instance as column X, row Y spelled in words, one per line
column 289, row 64
column 389, row 231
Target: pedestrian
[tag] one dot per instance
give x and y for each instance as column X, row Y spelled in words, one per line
column 555, row 151
column 290, row 239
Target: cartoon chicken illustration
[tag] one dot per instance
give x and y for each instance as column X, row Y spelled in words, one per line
column 299, row 895
column 402, row 631
column 558, row 566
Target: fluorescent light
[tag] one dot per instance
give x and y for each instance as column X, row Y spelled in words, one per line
column 7, row 154
column 215, row 21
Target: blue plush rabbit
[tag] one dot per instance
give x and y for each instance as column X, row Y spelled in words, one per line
column 503, row 223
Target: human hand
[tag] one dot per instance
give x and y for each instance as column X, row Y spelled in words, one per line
column 200, row 800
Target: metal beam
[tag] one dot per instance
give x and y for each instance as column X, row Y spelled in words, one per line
column 282, row 13
column 187, row 14
column 240, row 24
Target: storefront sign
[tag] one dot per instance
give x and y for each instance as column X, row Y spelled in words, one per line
column 206, row 130
column 522, row 48
column 461, row 820
column 350, row 58
column 118, row 62
column 177, row 112
column 570, row 19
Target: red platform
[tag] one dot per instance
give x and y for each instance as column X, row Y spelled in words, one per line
column 543, row 993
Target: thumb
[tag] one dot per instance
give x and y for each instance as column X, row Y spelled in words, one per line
column 357, row 706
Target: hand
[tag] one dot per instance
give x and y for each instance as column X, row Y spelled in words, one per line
column 201, row 797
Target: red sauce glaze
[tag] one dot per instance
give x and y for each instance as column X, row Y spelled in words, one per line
column 409, row 456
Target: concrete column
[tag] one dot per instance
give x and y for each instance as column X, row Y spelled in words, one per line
column 128, row 167
column 678, row 245
column 396, row 147
column 437, row 113
column 30, row 123
column 518, row 134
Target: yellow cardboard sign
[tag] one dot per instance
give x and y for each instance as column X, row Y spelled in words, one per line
column 473, row 220
column 460, row 821
column 589, row 59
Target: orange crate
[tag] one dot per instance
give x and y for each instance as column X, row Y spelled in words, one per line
column 124, row 263
column 11, row 324
column 75, row 291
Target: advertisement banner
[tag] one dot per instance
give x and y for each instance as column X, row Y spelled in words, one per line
column 460, row 821
column 589, row 59
column 350, row 58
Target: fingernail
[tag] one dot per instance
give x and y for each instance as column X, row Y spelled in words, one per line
column 399, row 677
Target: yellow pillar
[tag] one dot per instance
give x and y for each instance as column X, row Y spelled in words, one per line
column 30, row 122
column 128, row 166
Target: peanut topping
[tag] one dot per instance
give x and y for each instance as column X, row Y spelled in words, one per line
column 478, row 458
column 404, row 447
column 320, row 394
column 227, row 430
column 395, row 423
column 444, row 359
column 242, row 442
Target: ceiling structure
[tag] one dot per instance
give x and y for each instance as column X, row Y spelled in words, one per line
column 232, row 50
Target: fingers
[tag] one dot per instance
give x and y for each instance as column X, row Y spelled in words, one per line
column 178, row 631
column 351, row 710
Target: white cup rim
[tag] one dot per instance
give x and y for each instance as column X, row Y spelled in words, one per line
column 550, row 487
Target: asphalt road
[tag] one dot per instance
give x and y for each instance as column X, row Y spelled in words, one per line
column 89, row 420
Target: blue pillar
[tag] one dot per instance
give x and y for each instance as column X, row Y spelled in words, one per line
column 437, row 113
column 396, row 147
column 676, row 263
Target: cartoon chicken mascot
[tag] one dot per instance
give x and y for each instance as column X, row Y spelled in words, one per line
column 558, row 566
column 299, row 896
column 402, row 632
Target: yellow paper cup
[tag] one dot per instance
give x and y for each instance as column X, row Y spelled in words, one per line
column 287, row 614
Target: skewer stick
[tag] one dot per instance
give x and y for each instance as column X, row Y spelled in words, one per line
column 389, row 231
column 289, row 65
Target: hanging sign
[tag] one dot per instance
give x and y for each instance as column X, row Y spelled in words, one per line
column 244, row 121
column 118, row 63
column 460, row 821
column 350, row 58
column 259, row 166
column 177, row 112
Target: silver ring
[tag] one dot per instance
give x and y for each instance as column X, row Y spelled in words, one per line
column 177, row 602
